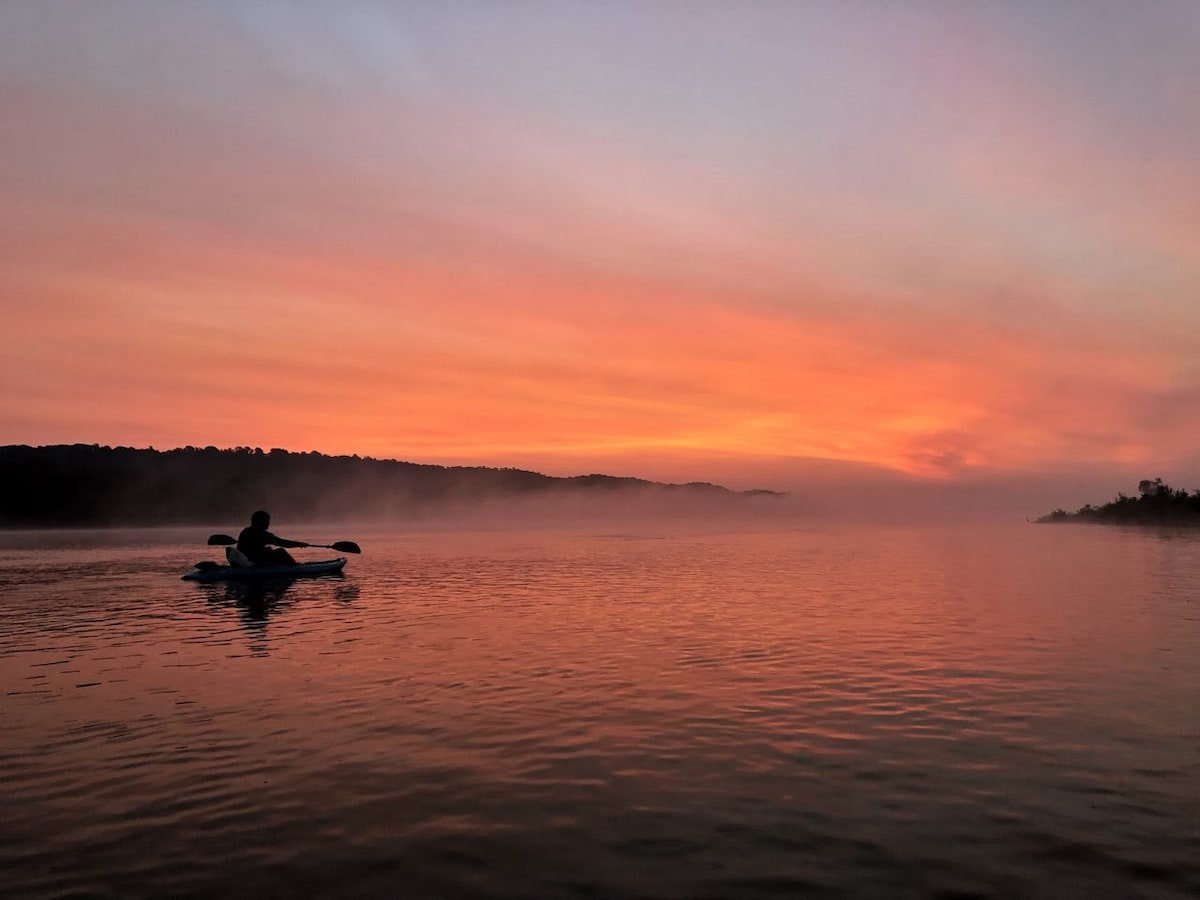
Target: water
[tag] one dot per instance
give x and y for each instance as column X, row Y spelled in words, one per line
column 639, row 713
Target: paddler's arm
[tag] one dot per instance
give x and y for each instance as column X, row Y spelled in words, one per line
column 284, row 542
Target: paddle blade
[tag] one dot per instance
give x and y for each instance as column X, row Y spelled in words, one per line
column 220, row 540
column 345, row 547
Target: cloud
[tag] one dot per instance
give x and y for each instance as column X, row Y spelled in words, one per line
column 901, row 254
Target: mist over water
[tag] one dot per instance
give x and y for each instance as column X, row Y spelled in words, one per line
column 634, row 708
column 88, row 485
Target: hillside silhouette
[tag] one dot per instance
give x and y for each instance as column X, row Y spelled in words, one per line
column 88, row 485
column 1157, row 503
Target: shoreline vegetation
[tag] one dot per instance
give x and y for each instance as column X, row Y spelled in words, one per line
column 1157, row 503
column 83, row 485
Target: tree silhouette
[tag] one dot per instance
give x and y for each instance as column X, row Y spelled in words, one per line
column 86, row 484
column 1157, row 503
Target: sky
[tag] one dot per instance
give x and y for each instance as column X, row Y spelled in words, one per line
column 760, row 243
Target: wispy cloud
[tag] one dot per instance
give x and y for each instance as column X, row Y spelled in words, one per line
column 940, row 239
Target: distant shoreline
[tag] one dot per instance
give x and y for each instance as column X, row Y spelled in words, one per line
column 1157, row 504
column 88, row 486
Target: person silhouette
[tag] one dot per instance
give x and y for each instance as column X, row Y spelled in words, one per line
column 263, row 548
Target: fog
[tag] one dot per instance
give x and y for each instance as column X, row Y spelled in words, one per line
column 848, row 491
column 838, row 490
column 893, row 501
column 84, row 486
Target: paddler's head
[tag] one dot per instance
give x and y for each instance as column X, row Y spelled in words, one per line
column 260, row 519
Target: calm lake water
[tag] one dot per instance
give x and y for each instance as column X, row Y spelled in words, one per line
column 638, row 712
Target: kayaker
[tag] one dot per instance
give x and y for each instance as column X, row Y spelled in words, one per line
column 255, row 541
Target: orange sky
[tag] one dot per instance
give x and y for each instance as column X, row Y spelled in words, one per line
column 680, row 242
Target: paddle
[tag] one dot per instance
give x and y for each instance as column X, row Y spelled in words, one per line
column 224, row 540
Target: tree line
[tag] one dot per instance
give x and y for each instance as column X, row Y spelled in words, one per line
column 89, row 485
column 1157, row 503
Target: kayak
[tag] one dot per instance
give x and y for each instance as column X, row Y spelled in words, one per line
column 218, row 572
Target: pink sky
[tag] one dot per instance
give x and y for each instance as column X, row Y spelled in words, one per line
column 683, row 241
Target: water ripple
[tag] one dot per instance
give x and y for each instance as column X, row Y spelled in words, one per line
column 894, row 713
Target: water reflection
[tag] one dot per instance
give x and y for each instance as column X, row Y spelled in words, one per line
column 259, row 596
column 899, row 713
column 347, row 592
column 255, row 602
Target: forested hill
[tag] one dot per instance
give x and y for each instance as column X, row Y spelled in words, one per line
column 81, row 484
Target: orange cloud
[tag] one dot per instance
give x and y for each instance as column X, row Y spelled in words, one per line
column 423, row 361
column 399, row 277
